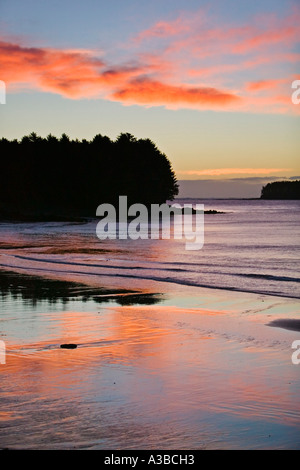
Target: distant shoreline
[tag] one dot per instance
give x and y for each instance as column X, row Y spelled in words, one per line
column 5, row 216
column 72, row 218
column 219, row 198
column 79, row 220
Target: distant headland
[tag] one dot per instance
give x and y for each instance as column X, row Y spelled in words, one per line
column 281, row 190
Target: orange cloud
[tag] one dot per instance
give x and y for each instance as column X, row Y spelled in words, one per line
column 68, row 72
column 77, row 74
column 150, row 92
column 199, row 49
column 193, row 63
column 71, row 73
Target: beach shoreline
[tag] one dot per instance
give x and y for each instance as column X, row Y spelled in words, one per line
column 162, row 346
column 146, row 372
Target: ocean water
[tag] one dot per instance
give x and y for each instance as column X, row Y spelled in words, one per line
column 176, row 349
column 252, row 246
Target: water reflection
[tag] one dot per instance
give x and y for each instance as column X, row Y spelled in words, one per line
column 34, row 288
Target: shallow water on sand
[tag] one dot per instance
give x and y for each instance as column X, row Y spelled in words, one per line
column 184, row 371
column 175, row 349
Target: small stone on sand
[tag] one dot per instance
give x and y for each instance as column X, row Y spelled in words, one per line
column 68, row 346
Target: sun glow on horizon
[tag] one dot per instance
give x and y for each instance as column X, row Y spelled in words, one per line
column 234, row 171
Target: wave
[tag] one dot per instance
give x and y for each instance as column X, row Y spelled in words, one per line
column 93, row 265
column 270, row 277
column 164, row 279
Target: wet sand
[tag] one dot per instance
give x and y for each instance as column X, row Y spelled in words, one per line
column 186, row 369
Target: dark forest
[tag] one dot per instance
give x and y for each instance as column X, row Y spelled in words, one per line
column 59, row 177
column 281, row 190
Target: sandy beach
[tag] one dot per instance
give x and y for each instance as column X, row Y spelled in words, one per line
column 180, row 369
column 175, row 349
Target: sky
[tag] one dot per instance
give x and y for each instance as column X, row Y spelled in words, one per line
column 210, row 82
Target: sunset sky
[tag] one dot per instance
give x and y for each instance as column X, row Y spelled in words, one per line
column 210, row 82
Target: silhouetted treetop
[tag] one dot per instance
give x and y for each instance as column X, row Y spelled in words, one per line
column 281, row 190
column 60, row 176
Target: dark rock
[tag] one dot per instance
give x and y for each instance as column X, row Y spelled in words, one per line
column 68, row 346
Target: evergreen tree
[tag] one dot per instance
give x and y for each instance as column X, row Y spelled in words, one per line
column 46, row 177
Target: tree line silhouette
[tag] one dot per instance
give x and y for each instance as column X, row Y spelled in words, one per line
column 281, row 190
column 33, row 289
column 48, row 177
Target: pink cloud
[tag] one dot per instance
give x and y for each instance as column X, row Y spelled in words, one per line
column 200, row 35
column 163, row 29
column 242, row 65
column 68, row 72
column 71, row 73
column 267, row 84
column 188, row 62
column 76, row 74
column 149, row 92
column 269, row 38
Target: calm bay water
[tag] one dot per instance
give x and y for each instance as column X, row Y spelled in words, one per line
column 252, row 247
